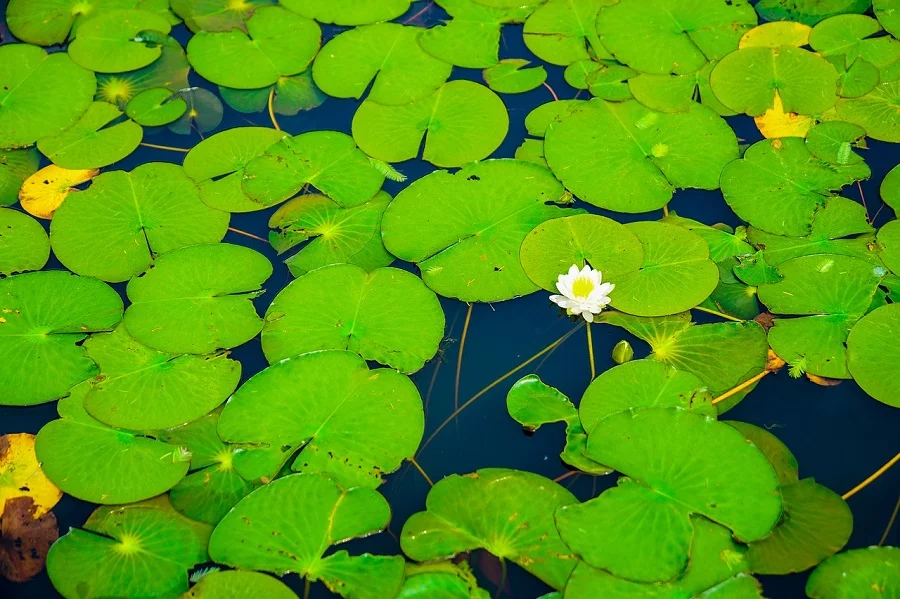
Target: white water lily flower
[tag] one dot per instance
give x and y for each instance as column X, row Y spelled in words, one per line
column 583, row 292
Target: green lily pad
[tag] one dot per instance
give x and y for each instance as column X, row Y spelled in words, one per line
column 97, row 463
column 197, row 299
column 99, row 138
column 834, row 142
column 888, row 15
column 873, row 351
column 41, row 94
column 464, row 229
column 859, row 573
column 553, row 246
column 778, row 185
column 53, row 22
column 627, row 158
column 169, row 71
column 331, row 408
column 783, row 461
column 292, row 94
column 876, row 112
column 606, row 79
column 809, row 12
column 45, row 316
column 674, row 36
column 119, row 40
column 641, row 384
column 387, row 316
column 461, row 122
column 890, row 188
column 155, row 107
column 24, row 244
column 216, row 15
column 212, row 486
column 278, row 43
column 204, row 111
column 238, row 584
column 441, row 580
column 157, row 548
column 676, row 273
column 848, row 38
column 723, row 242
column 163, row 390
column 348, row 12
column 510, row 77
column 287, row 525
column 747, row 80
column 335, row 234
column 509, row 513
column 563, row 31
column 385, row 57
column 149, row 211
column 326, row 160
column 677, row 93
column 15, row 167
column 889, row 242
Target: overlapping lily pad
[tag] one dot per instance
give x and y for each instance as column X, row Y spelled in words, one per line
column 155, row 107
column 809, row 12
column 216, row 15
column 876, row 112
column 116, row 41
column 857, row 573
column 234, row 584
column 348, row 12
column 24, row 244
column 564, row 31
column 513, row 76
column 872, row 352
column 15, row 167
column 290, row 95
column 677, row 93
column 99, row 138
column 441, row 580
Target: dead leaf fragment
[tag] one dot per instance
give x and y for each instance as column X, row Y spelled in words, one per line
column 44, row 191
column 21, row 474
column 24, row 539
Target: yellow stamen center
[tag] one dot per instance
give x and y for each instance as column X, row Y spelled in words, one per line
column 582, row 287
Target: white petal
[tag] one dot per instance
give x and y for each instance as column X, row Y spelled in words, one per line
column 573, row 271
column 588, row 316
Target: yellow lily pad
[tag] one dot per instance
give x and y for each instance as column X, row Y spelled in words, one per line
column 21, row 474
column 44, row 191
column 778, row 123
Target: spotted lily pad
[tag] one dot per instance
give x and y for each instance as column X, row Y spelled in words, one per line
column 872, row 351
column 98, row 139
column 116, row 41
column 24, row 244
column 864, row 573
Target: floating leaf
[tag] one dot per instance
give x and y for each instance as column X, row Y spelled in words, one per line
column 98, row 139
column 21, row 477
column 464, row 229
column 169, row 71
column 890, row 188
column 278, row 43
column 627, row 158
column 292, row 94
column 154, row 545
column 204, row 111
column 116, row 41
column 673, row 36
column 809, row 12
column 563, row 31
column 509, row 513
column 234, row 584
column 326, row 160
column 865, row 573
column 216, row 15
column 24, row 244
column 15, row 167
column 876, row 112
column 45, row 191
column 872, row 354
column 778, row 185
column 287, row 525
column 331, row 408
column 510, row 77
column 607, row 79
column 155, row 107
column 25, row 539
column 783, row 461
column 43, row 318
column 387, row 316
column 335, row 235
column 197, row 299
column 889, row 240
column 461, row 122
column 775, row 122
column 776, row 34
column 149, row 211
column 848, row 38
column 441, row 580
column 348, row 12
column 383, row 59
column 677, row 93
column 41, row 94
column 834, row 142
column 888, row 15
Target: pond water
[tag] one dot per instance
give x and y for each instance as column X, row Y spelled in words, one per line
column 838, row 434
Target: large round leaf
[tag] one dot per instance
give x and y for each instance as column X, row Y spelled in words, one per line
column 287, row 525
column 40, row 94
column 876, row 112
column 870, row 573
column 386, row 53
column 673, row 36
column 627, row 158
column 553, row 246
column 23, row 243
column 563, row 31
column 162, row 390
column 97, row 463
column 348, row 12
column 198, row 299
column 676, row 274
column 507, row 512
column 116, row 41
column 143, row 213
column 278, row 43
column 345, row 420
column 873, row 351
column 239, row 584
column 387, row 316
column 461, row 122
column 92, row 142
column 15, row 167
column 464, row 229
column 45, row 316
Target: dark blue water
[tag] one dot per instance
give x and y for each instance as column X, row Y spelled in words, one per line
column 838, row 434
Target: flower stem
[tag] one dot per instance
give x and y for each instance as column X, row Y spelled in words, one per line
column 502, row 579
column 890, row 523
column 306, row 585
column 721, row 314
column 159, row 147
column 272, row 109
column 665, row 210
column 421, row 471
column 246, row 234
column 590, row 341
column 552, row 91
column 871, row 479
column 741, row 387
column 563, row 477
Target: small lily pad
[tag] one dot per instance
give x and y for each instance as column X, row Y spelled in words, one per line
column 24, row 244
column 873, row 351
column 155, row 107
column 509, row 76
column 98, row 139
column 15, row 167
column 562, row 32
column 116, row 41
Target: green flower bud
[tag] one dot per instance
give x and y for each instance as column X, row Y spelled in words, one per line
column 622, row 352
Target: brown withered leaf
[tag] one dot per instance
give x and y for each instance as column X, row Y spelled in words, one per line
column 24, row 540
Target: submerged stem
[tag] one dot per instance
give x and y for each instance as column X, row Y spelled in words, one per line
column 590, row 341
column 665, row 210
column 459, row 357
column 272, row 109
column 716, row 313
column 552, row 91
column 502, row 578
column 871, row 479
column 246, row 234
column 421, row 471
column 306, row 586
column 159, row 147
column 741, row 387
column 563, row 477
column 890, row 523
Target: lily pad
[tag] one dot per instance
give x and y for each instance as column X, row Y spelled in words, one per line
column 21, row 477
column 335, row 235
column 292, row 94
column 45, row 316
column 15, row 167
column 287, row 525
column 509, row 76
column 509, row 513
column 888, row 15
column 890, row 188
column 677, row 93
column 673, row 36
column 607, row 79
column 383, row 59
column 26, row 540
column 198, row 299
column 779, row 185
column 326, row 160
column 116, row 41
column 863, row 573
column 24, row 244
column 809, row 12
column 216, row 15
column 278, row 43
column 835, row 141
column 98, row 139
column 331, row 408
column 149, row 211
column 41, row 94
column 627, row 158
column 204, row 111
column 848, row 38
column 441, row 580
column 155, row 107
column 348, row 12
column 45, row 191
column 564, row 31
column 872, row 352
column 889, row 240
column 464, row 229
column 775, row 34
column 461, row 122
column 238, row 584
column 163, row 390
column 876, row 112
column 387, row 316
column 169, row 71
